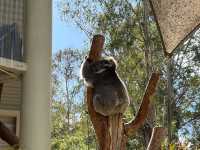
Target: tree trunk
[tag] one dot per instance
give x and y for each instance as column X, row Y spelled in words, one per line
column 158, row 135
column 170, row 99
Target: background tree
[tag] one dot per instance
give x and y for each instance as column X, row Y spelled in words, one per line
column 70, row 123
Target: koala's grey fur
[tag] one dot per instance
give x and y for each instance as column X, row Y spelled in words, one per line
column 110, row 94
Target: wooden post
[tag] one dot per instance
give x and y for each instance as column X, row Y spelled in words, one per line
column 111, row 132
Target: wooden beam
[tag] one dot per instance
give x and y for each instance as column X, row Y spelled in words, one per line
column 8, row 136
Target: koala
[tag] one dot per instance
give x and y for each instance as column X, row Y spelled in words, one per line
column 110, row 94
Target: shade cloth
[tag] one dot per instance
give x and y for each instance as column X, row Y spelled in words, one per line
column 176, row 19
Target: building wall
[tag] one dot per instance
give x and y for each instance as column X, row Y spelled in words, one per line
column 11, row 94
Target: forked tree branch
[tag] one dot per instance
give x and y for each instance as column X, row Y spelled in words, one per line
column 130, row 128
column 105, row 128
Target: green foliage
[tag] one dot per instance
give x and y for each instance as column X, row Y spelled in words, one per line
column 71, row 128
column 73, row 136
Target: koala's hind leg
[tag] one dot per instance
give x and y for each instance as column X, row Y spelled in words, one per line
column 100, row 105
column 123, row 107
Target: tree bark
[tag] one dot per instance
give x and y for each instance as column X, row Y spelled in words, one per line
column 158, row 134
column 111, row 131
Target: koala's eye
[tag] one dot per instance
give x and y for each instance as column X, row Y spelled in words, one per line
column 89, row 60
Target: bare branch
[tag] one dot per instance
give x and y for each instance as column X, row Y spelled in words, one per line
column 195, row 116
column 178, row 98
column 131, row 127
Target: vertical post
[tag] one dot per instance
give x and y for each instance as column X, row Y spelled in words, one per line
column 35, row 122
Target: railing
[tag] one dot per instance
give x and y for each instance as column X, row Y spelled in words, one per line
column 10, row 42
column 11, row 29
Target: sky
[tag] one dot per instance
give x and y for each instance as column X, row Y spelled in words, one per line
column 65, row 34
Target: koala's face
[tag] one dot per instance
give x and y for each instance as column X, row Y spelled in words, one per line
column 100, row 66
column 104, row 65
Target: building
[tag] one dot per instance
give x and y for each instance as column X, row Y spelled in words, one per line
column 25, row 57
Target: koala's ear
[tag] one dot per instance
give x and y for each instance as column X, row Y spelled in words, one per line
column 88, row 59
column 113, row 62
